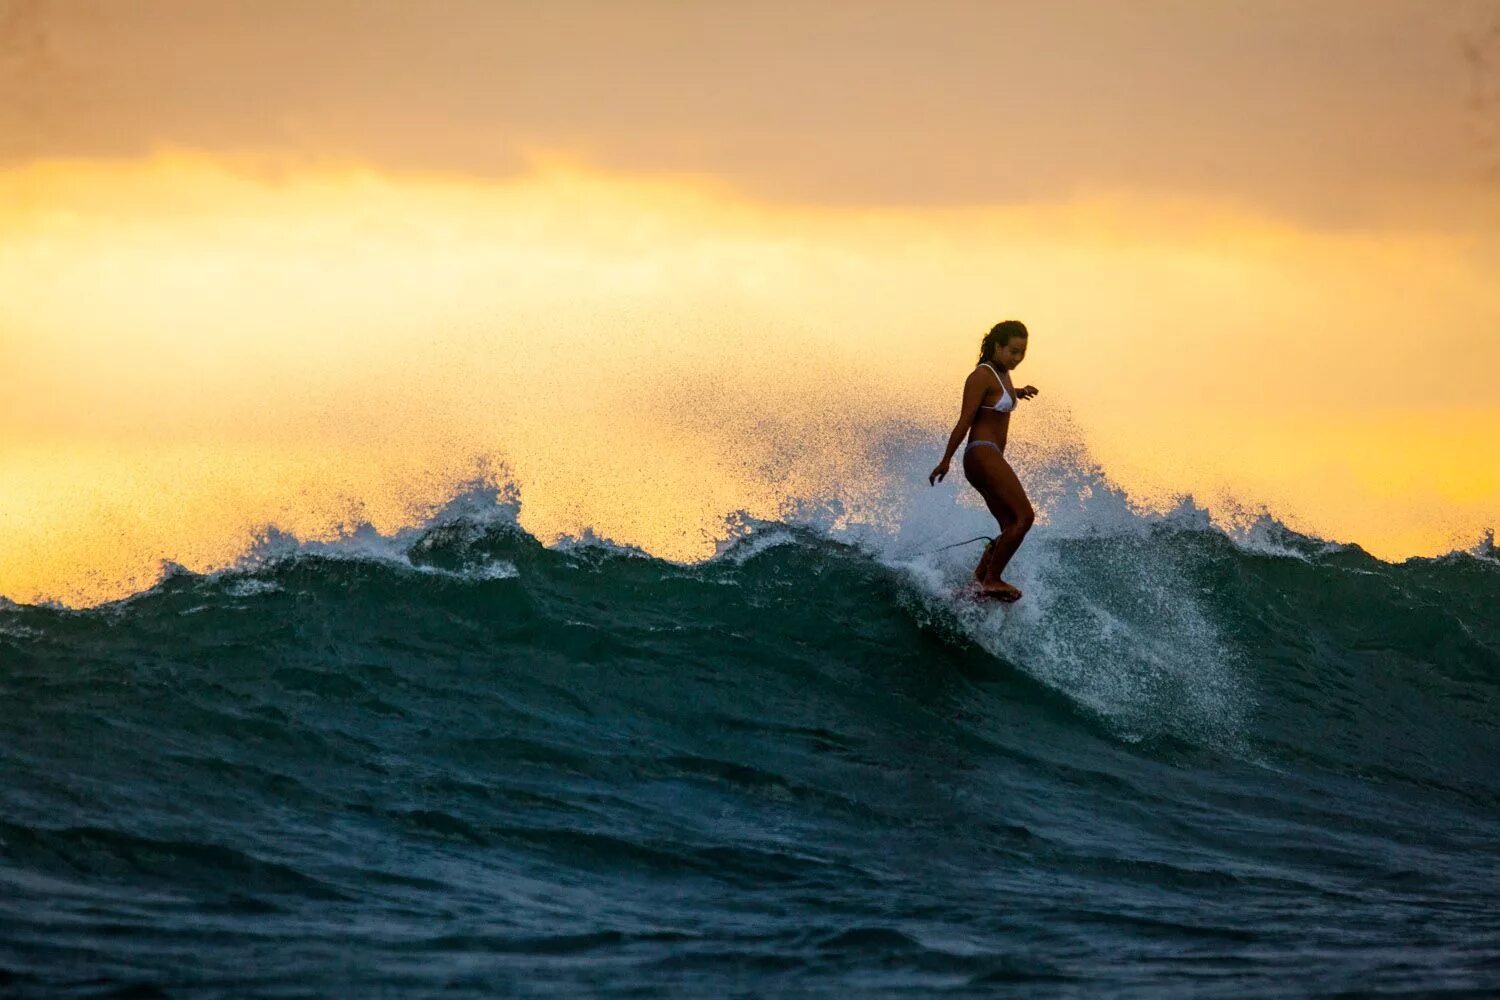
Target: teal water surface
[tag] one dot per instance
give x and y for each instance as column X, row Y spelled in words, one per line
column 480, row 766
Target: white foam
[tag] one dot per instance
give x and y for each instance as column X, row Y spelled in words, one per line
column 479, row 506
column 1120, row 629
column 741, row 550
column 250, row 587
column 1485, row 548
column 588, row 540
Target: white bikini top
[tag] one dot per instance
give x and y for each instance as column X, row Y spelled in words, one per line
column 1007, row 402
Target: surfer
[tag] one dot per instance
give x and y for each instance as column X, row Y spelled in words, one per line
column 989, row 398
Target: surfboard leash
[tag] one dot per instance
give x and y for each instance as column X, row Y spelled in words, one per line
column 987, row 538
column 942, row 548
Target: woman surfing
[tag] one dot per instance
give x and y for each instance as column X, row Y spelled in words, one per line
column 989, row 398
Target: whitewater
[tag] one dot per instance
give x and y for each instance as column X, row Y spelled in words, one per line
column 1193, row 761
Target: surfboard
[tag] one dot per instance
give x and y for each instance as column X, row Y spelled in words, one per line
column 970, row 592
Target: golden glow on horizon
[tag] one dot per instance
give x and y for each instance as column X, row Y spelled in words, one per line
column 194, row 349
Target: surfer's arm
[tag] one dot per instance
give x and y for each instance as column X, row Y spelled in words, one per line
column 973, row 396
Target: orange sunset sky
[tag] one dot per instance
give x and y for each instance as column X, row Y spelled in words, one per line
column 319, row 263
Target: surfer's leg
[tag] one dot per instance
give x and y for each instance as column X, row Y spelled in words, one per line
column 983, row 569
column 974, row 473
column 1017, row 510
column 993, row 477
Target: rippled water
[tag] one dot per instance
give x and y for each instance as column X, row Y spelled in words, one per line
column 466, row 764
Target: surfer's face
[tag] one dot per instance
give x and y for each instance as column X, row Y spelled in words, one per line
column 1012, row 352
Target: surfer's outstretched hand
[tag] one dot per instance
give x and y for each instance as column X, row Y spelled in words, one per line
column 1027, row 391
column 938, row 474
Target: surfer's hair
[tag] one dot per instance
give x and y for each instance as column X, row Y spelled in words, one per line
column 1000, row 334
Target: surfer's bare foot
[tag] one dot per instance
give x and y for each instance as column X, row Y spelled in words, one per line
column 1000, row 591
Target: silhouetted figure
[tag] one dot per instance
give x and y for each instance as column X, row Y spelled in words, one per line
column 989, row 398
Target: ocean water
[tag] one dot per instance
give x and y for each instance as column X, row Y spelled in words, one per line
column 460, row 763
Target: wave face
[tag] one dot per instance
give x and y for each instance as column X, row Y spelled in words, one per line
column 459, row 762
